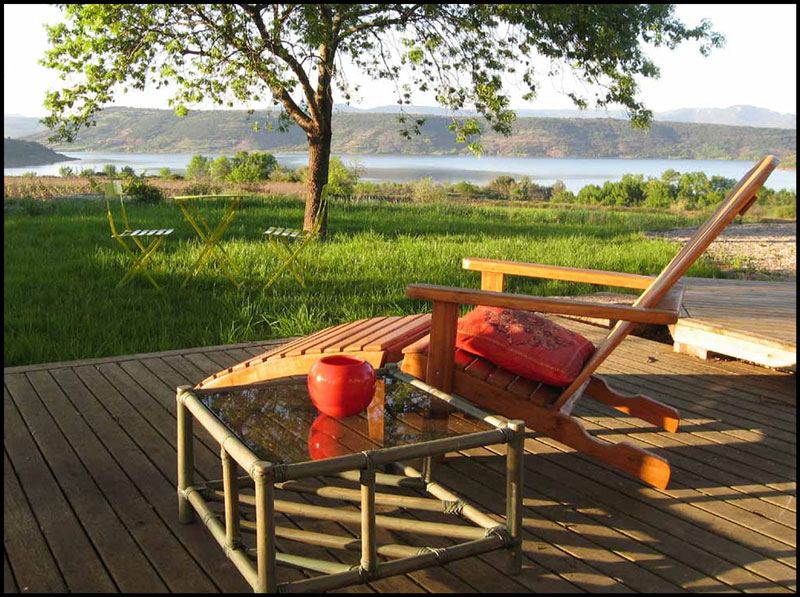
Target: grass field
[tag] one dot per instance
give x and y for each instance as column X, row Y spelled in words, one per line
column 61, row 267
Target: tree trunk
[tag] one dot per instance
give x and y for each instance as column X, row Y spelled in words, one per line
column 319, row 153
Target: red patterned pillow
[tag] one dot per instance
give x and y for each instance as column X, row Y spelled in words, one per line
column 524, row 343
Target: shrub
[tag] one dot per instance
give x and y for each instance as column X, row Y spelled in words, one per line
column 203, row 187
column 87, row 173
column 65, row 171
column 127, row 172
column 138, row 190
column 341, row 180
column 425, row 191
column 244, row 173
column 198, row 167
column 220, row 168
column 501, row 186
column 252, row 167
column 110, row 170
column 466, row 189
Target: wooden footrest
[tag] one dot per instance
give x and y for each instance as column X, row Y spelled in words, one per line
column 379, row 340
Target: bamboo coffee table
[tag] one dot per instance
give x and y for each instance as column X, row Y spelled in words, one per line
column 272, row 432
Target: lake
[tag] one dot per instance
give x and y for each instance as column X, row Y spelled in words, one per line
column 575, row 172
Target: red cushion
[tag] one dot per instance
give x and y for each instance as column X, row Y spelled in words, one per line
column 524, row 343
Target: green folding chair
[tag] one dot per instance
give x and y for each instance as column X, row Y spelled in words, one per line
column 280, row 239
column 113, row 190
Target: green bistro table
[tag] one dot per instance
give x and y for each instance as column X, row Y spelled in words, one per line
column 272, row 433
column 210, row 237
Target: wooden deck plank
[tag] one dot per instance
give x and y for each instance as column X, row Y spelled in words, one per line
column 9, row 582
column 676, row 558
column 78, row 414
column 79, row 564
column 710, row 476
column 119, row 552
column 35, row 569
column 727, row 522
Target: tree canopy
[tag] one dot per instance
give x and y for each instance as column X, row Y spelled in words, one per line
column 292, row 54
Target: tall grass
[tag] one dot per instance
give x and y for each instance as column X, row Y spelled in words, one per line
column 61, row 267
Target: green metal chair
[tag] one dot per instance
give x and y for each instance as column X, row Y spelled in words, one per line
column 113, row 190
column 279, row 239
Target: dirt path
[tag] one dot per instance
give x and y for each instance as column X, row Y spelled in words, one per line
column 762, row 250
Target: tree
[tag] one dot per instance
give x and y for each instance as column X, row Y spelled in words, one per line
column 252, row 167
column 295, row 52
column 220, row 168
column 198, row 166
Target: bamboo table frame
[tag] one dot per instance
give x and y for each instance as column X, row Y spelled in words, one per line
column 209, row 236
column 487, row 534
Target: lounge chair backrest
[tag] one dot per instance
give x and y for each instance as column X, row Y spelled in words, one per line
column 736, row 203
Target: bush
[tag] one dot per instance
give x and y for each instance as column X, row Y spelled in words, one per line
column 127, row 172
column 141, row 192
column 252, row 167
column 87, row 173
column 203, row 187
column 65, row 171
column 220, row 168
column 198, row 167
column 425, row 191
column 501, row 186
column 245, row 173
column 110, row 170
column 341, row 180
column 466, row 189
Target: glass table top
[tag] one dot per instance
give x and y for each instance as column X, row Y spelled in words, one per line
column 279, row 423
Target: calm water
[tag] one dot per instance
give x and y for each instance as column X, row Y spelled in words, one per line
column 575, row 172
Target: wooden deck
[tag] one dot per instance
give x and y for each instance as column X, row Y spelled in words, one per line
column 90, row 503
column 746, row 319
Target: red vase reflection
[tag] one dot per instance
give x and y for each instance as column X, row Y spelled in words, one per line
column 324, row 438
column 341, row 385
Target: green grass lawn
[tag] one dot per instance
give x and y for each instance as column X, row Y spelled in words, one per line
column 61, row 267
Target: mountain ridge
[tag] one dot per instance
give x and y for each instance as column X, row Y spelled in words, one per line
column 148, row 130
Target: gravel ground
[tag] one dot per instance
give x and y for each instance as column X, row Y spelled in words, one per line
column 763, row 250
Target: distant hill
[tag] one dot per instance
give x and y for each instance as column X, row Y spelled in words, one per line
column 734, row 115
column 18, row 154
column 20, row 126
column 160, row 131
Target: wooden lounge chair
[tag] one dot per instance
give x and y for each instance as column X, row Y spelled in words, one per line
column 545, row 409
column 434, row 359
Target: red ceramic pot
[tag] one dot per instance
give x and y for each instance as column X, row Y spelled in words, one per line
column 340, row 385
column 323, row 438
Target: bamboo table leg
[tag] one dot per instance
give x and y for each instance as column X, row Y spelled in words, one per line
column 515, row 467
column 185, row 457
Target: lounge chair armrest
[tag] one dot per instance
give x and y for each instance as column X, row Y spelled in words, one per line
column 555, row 272
column 465, row 296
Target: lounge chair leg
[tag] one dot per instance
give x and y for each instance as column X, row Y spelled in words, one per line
column 642, row 407
column 627, row 457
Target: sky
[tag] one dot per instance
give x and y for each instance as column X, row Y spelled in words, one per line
column 757, row 66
